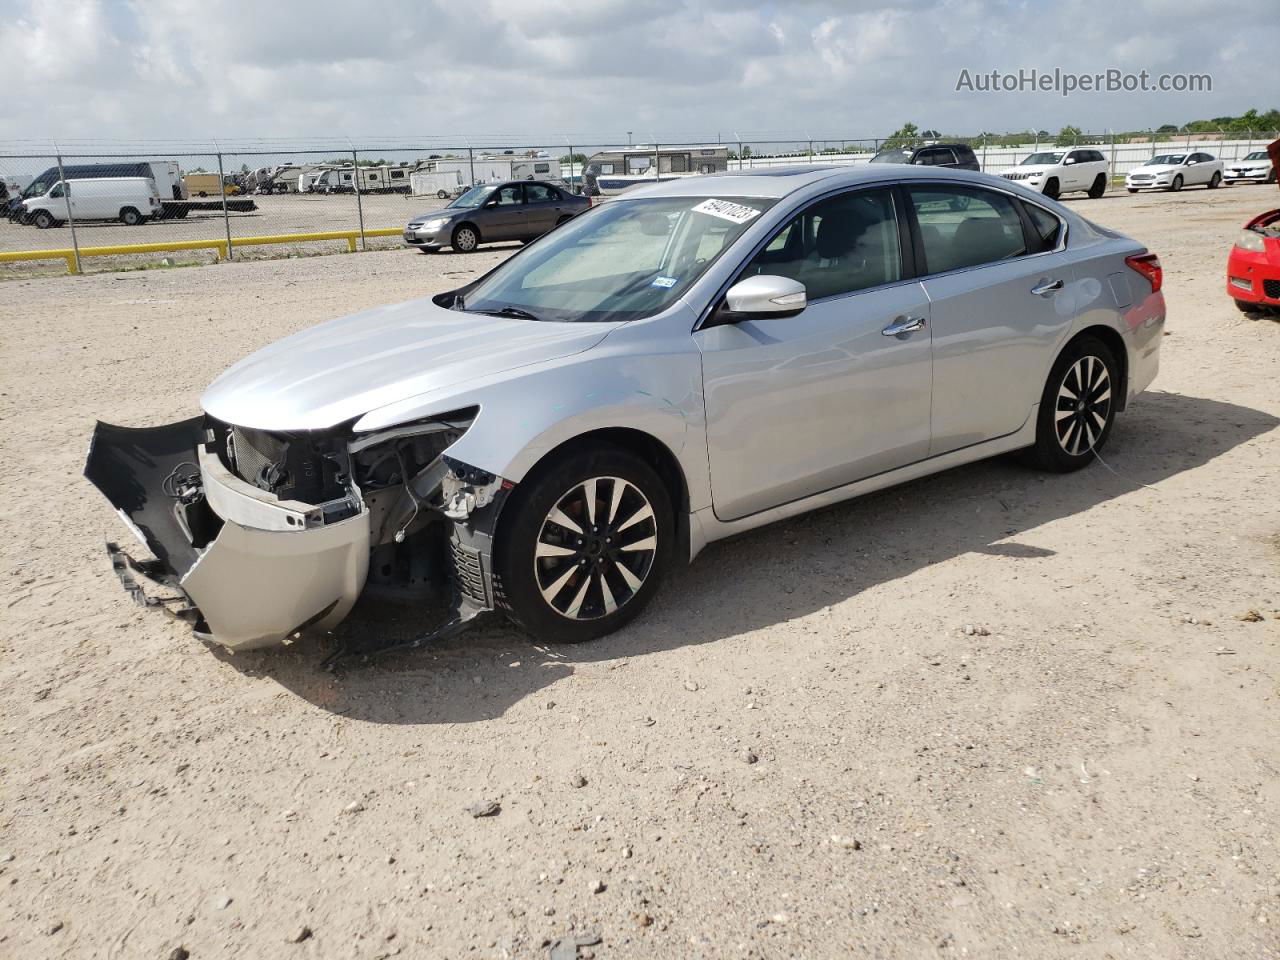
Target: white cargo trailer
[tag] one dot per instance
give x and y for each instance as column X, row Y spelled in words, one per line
column 435, row 183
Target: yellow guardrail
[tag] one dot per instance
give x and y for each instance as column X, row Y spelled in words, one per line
column 220, row 246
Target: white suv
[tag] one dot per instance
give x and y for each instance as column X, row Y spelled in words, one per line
column 1055, row 172
column 1173, row 171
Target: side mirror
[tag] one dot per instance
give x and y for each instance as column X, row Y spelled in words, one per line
column 1067, row 162
column 760, row 298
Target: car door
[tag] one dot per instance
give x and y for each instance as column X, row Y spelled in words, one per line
column 503, row 215
column 543, row 207
column 1072, row 171
column 841, row 391
column 1197, row 170
column 61, row 200
column 999, row 298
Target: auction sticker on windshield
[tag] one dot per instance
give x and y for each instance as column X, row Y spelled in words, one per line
column 726, row 210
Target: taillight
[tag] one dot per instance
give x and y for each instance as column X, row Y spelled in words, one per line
column 1148, row 264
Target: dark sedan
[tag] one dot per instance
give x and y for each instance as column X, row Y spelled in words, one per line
column 494, row 212
column 955, row 155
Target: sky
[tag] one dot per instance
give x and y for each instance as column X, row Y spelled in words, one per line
column 562, row 71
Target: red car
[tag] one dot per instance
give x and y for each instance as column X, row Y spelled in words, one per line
column 1253, row 268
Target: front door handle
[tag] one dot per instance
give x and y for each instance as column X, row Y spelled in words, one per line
column 1045, row 288
column 903, row 327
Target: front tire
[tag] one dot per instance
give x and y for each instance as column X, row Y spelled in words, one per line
column 465, row 239
column 1176, row 185
column 1052, row 189
column 1099, row 186
column 583, row 546
column 43, row 219
column 1077, row 408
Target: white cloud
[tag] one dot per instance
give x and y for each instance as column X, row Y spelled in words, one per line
column 555, row 69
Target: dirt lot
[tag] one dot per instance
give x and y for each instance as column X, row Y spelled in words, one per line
column 1092, row 771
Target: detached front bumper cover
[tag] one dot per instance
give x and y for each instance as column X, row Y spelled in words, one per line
column 247, row 577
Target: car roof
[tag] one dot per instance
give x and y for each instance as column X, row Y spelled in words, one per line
column 779, row 182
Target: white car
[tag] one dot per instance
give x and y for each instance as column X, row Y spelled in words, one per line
column 1173, row 171
column 1254, row 167
column 1055, row 172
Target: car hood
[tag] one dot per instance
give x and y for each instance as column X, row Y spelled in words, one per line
column 344, row 368
column 444, row 213
column 1033, row 168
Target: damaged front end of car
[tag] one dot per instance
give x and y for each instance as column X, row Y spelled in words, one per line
column 259, row 536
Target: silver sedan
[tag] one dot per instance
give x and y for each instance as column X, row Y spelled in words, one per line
column 689, row 361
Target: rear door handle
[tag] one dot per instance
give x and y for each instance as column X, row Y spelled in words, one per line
column 1047, row 287
column 905, row 326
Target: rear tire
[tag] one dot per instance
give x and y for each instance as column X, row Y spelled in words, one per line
column 130, row 217
column 1215, row 180
column 1099, row 186
column 1077, row 407
column 1051, row 189
column 567, row 573
column 442, row 195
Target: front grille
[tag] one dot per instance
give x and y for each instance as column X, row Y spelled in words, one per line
column 468, row 573
column 1271, row 288
column 256, row 454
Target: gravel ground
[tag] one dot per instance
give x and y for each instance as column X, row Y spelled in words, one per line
column 990, row 714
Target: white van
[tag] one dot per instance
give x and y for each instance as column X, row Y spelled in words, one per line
column 131, row 200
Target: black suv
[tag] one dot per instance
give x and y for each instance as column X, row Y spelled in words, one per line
column 955, row 155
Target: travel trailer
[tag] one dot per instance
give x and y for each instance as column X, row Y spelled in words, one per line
column 612, row 171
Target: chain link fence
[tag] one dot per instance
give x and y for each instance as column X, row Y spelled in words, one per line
column 172, row 204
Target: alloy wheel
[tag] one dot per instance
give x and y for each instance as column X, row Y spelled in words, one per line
column 1084, row 405
column 595, row 548
column 465, row 239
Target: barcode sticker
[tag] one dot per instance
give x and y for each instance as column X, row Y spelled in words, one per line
column 727, row 210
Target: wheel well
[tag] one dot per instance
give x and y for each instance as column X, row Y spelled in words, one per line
column 648, row 448
column 1112, row 339
column 467, row 223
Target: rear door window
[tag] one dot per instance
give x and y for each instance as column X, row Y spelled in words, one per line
column 538, row 193
column 964, row 226
column 1046, row 227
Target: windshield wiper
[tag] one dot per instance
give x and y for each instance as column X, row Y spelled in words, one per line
column 509, row 312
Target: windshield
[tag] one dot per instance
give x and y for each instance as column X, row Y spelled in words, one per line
column 1042, row 158
column 1172, row 159
column 1257, row 155
column 622, row 261
column 892, row 156
column 473, row 197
